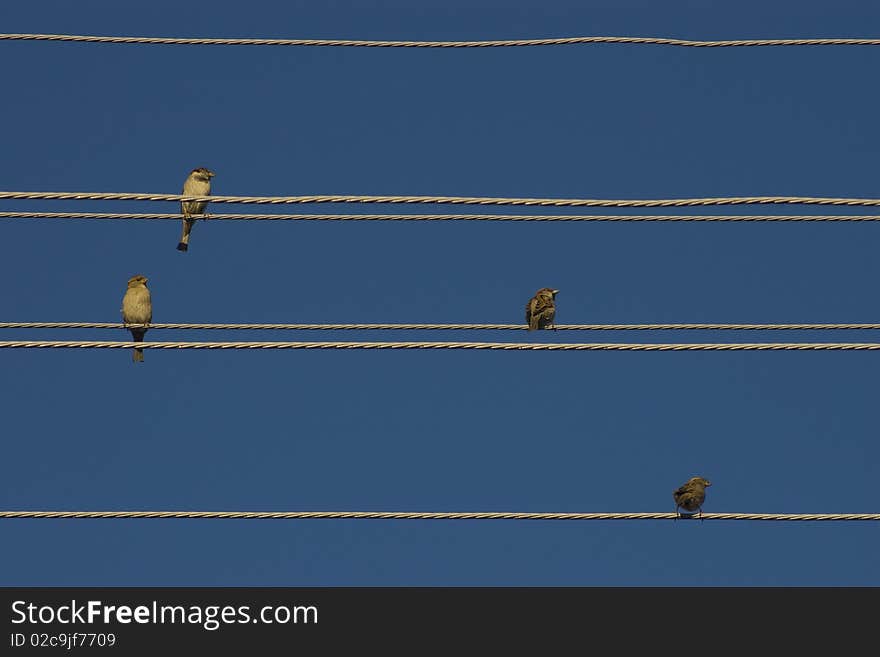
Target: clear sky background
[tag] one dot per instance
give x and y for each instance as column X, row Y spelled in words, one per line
column 778, row 432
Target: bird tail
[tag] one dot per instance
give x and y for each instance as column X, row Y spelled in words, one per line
column 533, row 323
column 183, row 245
column 137, row 335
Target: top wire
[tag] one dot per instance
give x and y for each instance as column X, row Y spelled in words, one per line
column 563, row 41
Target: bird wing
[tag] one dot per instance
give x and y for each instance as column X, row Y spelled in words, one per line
column 545, row 309
column 148, row 301
column 542, row 304
column 532, row 313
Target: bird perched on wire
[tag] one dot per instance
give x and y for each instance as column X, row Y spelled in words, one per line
column 137, row 308
column 541, row 309
column 691, row 495
column 197, row 183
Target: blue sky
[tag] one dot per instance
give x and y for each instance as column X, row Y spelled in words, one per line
column 440, row 431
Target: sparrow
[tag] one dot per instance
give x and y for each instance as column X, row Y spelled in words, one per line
column 541, row 309
column 691, row 495
column 197, row 183
column 137, row 308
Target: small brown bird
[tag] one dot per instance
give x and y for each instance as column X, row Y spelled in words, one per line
column 198, row 183
column 691, row 495
column 137, row 308
column 541, row 309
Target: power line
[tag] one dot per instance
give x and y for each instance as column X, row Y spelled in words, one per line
column 426, row 515
column 437, row 217
column 439, row 327
column 189, row 41
column 489, row 346
column 453, row 200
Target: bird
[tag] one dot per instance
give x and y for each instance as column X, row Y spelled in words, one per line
column 541, row 309
column 197, row 183
column 691, row 495
column 137, row 308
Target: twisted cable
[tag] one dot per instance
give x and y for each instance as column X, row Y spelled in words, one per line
column 426, row 515
column 436, row 327
column 560, row 41
column 490, row 346
column 452, row 200
column 436, row 217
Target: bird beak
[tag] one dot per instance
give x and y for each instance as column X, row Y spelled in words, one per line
column 555, row 292
column 211, row 174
